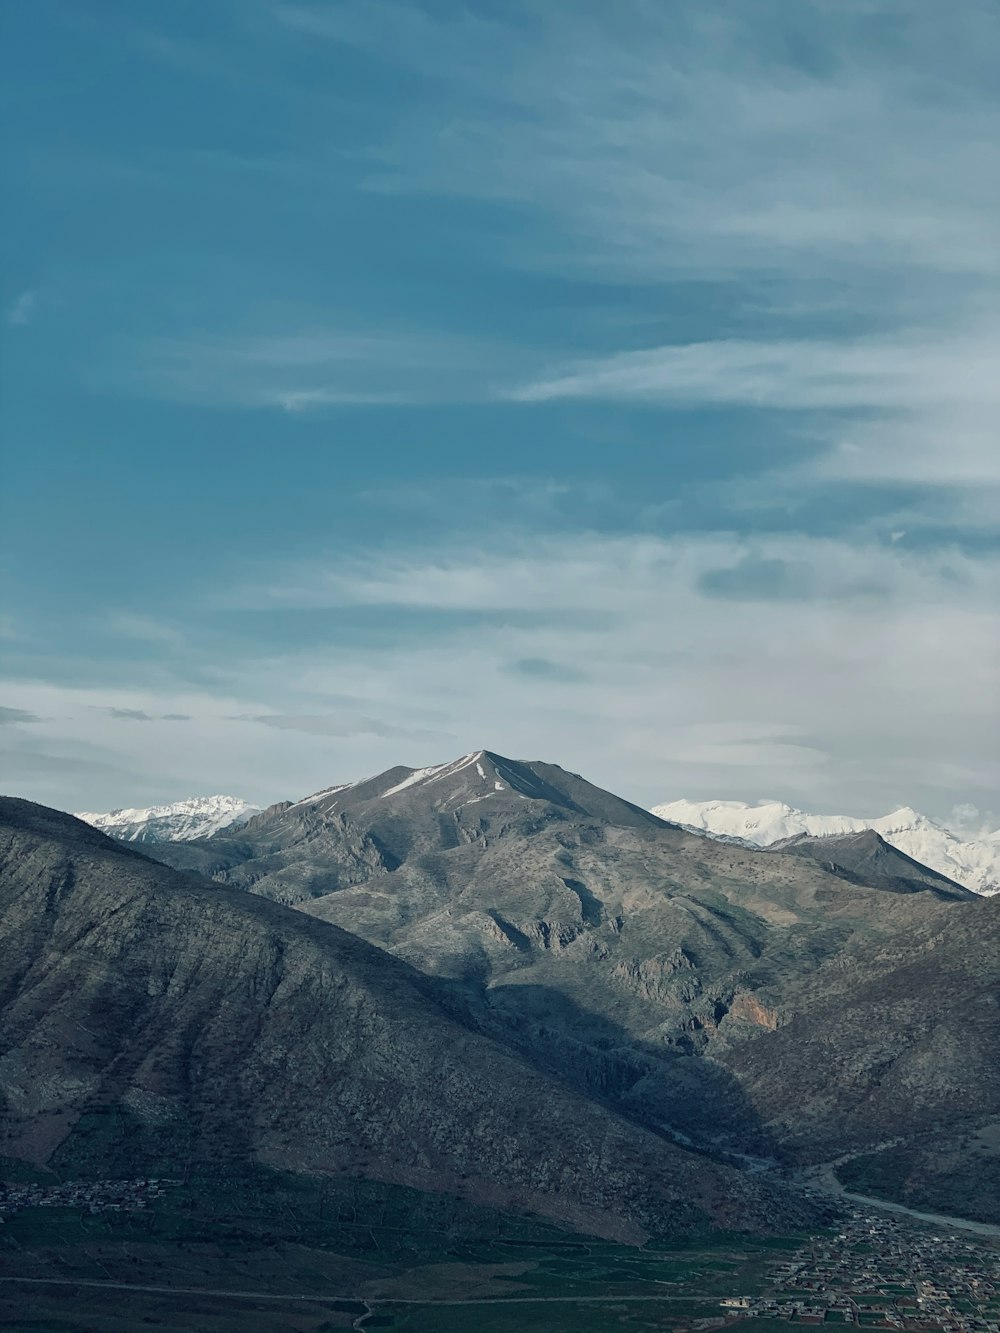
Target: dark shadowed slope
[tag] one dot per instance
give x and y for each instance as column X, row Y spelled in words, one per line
column 238, row 1027
column 866, row 858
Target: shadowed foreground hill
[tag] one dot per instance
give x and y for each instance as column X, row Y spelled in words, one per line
column 240, row 1028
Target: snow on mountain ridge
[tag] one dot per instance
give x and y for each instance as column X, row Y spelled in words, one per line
column 971, row 861
column 180, row 821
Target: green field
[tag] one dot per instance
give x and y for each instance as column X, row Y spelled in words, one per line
column 343, row 1249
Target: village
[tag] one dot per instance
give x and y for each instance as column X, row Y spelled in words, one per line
column 884, row 1272
column 90, row 1196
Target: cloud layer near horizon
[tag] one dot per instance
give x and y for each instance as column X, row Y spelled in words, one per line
column 833, row 675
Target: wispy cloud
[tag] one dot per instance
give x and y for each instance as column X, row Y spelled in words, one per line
column 15, row 716
column 145, row 629
column 343, row 725
column 893, row 373
column 591, row 573
column 20, row 311
column 834, row 170
column 298, row 372
column 923, row 408
column 140, row 715
column 696, row 140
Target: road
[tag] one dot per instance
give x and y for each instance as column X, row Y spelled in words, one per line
column 326, row 1298
column 938, row 1219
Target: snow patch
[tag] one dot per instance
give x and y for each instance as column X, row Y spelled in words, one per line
column 436, row 773
column 418, row 775
column 321, row 795
column 456, row 766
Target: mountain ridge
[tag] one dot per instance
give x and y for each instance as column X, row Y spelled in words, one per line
column 644, row 966
column 180, row 821
column 973, row 862
column 624, row 953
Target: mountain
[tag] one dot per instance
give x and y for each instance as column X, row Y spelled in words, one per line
column 149, row 1015
column 196, row 817
column 866, row 858
column 972, row 861
column 632, row 959
column 348, row 834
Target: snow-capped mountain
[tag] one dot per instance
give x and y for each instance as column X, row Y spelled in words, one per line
column 196, row 817
column 972, row 861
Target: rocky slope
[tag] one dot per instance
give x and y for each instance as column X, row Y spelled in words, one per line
column 222, row 1025
column 971, row 860
column 890, row 1057
column 196, row 817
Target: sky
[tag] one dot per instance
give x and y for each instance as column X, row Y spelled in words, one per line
column 614, row 385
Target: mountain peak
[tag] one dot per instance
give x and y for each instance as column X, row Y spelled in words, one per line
column 349, row 833
column 478, row 788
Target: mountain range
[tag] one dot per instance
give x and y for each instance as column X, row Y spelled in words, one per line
column 151, row 1015
column 194, row 817
column 973, row 861
column 645, row 965
column 970, row 860
column 492, row 978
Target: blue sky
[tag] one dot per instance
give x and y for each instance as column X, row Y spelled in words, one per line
column 615, row 385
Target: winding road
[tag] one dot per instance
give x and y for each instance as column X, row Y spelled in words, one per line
column 825, row 1178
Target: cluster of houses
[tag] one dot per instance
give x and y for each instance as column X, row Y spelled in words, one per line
column 880, row 1271
column 90, row 1196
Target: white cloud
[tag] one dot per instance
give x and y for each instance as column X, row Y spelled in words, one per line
column 826, row 166
column 893, row 373
column 299, row 371
column 691, row 140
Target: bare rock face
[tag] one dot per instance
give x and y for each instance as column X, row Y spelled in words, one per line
column 747, row 1008
column 231, row 1026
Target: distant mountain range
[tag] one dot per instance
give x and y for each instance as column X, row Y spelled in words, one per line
column 196, row 817
column 971, row 861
